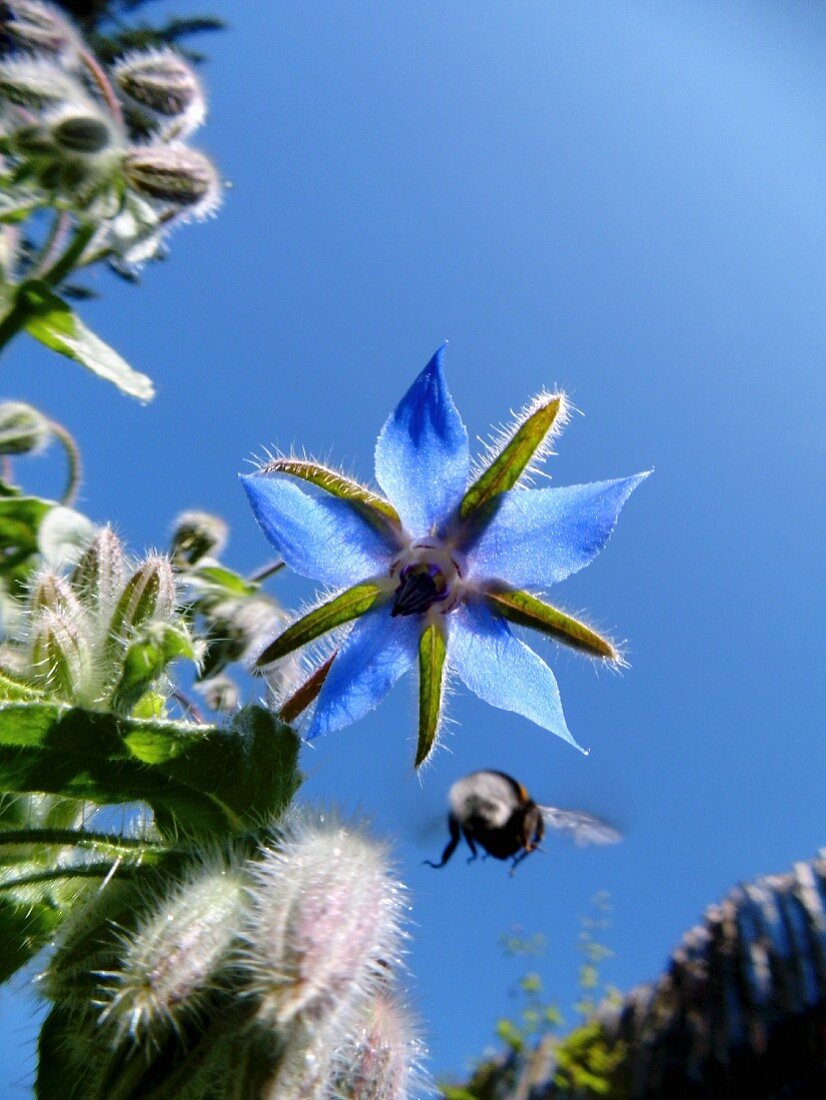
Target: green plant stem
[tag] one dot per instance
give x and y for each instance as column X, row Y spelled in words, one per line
column 18, row 316
column 119, row 843
column 91, row 870
column 57, row 235
column 265, row 571
column 73, row 457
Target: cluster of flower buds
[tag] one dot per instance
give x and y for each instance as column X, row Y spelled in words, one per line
column 233, row 613
column 103, row 635
column 109, row 147
column 278, row 971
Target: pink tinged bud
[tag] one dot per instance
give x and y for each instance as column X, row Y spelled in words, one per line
column 163, row 84
column 323, row 926
column 176, row 957
column 174, row 174
column 23, row 429
column 384, row 1061
column 39, row 27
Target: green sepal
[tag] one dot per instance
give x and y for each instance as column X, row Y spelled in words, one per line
column 198, row 779
column 349, row 605
column 145, row 661
column 523, row 609
column 376, row 509
column 509, row 465
column 432, row 651
column 53, row 323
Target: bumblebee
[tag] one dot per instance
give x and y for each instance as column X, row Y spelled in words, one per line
column 493, row 810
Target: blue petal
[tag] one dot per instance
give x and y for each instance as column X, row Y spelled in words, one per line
column 422, row 458
column 377, row 652
column 540, row 536
column 318, row 536
column 503, row 671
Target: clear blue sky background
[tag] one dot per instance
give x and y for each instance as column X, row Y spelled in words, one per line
column 624, row 199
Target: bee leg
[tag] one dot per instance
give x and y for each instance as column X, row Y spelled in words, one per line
column 517, row 859
column 451, row 846
column 472, row 846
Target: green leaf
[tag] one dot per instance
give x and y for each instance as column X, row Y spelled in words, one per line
column 373, row 507
column 51, row 321
column 198, row 779
column 349, row 605
column 225, row 581
column 508, row 466
column 526, row 610
column 432, row 651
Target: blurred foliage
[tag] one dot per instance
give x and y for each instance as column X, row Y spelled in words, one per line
column 113, row 26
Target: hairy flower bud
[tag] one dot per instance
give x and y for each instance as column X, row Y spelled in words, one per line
column 323, row 925
column 99, row 576
column 35, row 83
column 196, row 535
column 174, row 958
column 160, row 83
column 51, row 591
column 23, row 429
column 149, row 595
column 39, row 27
column 384, row 1060
column 174, row 174
column 61, row 655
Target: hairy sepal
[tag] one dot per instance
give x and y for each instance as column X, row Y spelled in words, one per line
column 517, row 453
column 374, row 508
column 523, row 609
column 351, row 604
column 432, row 652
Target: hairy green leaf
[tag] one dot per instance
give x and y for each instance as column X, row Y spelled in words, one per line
column 198, row 779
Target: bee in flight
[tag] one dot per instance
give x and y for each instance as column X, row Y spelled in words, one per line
column 493, row 810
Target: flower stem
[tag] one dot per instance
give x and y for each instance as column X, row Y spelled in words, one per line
column 73, row 456
column 73, row 836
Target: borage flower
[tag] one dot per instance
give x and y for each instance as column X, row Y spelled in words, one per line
column 438, row 569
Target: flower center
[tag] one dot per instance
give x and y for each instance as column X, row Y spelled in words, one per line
column 427, row 576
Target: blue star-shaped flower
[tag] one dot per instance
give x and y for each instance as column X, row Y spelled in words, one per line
column 436, row 570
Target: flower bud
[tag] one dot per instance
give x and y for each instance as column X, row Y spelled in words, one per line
column 37, row 26
column 384, row 1060
column 82, row 133
column 196, row 535
column 161, row 83
column 149, row 595
column 64, row 536
column 53, row 592
column 61, row 655
column 173, row 960
column 322, row 925
column 35, row 83
column 99, row 576
column 23, row 429
column 220, row 693
column 174, row 174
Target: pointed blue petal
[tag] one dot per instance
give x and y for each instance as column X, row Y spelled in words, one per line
column 318, row 536
column 503, row 671
column 377, row 652
column 540, row 536
column 422, row 457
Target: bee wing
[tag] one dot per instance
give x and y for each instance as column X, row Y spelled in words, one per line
column 580, row 827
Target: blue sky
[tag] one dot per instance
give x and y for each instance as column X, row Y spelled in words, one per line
column 627, row 200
